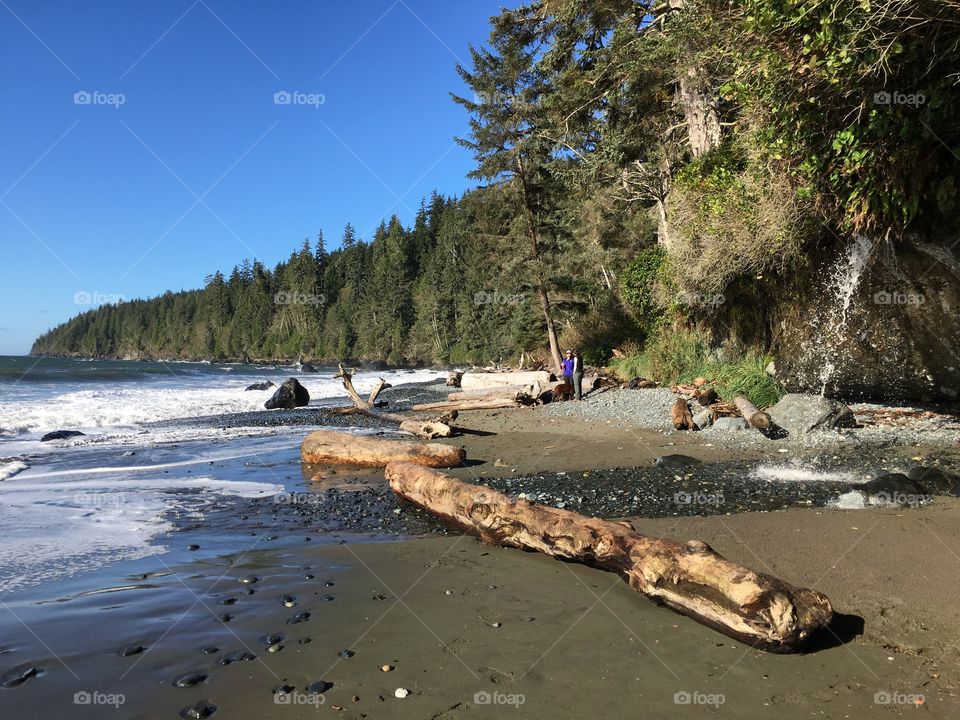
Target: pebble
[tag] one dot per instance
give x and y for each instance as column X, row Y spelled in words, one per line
column 18, row 676
column 386, row 668
column 401, row 692
column 193, row 547
column 237, row 656
column 210, row 650
column 201, row 710
column 225, row 617
column 190, row 679
column 327, row 598
column 275, row 648
column 130, row 650
column 299, row 618
column 249, row 579
column 346, row 653
column 319, row 687
column 288, row 600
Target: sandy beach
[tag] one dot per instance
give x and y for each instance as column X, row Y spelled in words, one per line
column 469, row 630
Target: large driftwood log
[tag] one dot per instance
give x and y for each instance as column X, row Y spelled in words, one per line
column 751, row 414
column 339, row 448
column 495, row 379
column 690, row 578
column 420, row 428
column 500, row 391
column 480, row 404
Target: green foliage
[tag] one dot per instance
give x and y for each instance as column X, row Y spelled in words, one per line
column 637, row 286
column 681, row 356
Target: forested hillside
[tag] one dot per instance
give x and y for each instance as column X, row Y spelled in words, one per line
column 666, row 178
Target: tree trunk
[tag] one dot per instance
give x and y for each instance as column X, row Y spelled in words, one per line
column 339, row 448
column 699, row 109
column 690, row 578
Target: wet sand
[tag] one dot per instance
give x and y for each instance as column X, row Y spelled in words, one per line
column 472, row 630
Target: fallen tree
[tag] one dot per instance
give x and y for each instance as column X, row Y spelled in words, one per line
column 421, row 428
column 340, row 448
column 690, row 577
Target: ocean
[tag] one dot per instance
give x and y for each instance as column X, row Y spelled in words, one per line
column 72, row 506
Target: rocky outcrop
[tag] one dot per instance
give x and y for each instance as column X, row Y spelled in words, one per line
column 288, row 396
column 260, row 386
column 61, row 435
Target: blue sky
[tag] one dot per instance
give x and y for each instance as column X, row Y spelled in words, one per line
column 143, row 145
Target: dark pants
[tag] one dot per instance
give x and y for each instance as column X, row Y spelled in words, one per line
column 577, row 385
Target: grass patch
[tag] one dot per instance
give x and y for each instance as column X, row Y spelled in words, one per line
column 681, row 357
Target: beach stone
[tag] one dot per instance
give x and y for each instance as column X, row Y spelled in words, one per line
column 195, row 677
column 201, row 710
column 193, row 547
column 703, row 419
column 260, row 386
column 798, row 413
column 891, row 483
column 249, row 579
column 288, row 396
column 307, row 368
column 288, row 600
column 299, row 618
column 130, row 650
column 237, row 656
column 935, row 481
column 61, row 435
column 730, row 423
column 319, row 687
column 346, row 653
column 18, row 676
column 273, row 639
column 210, row 650
column 675, row 462
column 401, row 693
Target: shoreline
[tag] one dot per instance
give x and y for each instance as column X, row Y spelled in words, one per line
column 466, row 625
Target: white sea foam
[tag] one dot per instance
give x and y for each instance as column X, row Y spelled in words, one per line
column 9, row 469
column 800, row 473
column 129, row 404
column 56, row 528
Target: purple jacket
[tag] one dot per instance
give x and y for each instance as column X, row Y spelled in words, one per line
column 571, row 366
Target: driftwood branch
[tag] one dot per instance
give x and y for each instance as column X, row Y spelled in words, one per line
column 367, row 407
column 751, row 414
column 690, row 578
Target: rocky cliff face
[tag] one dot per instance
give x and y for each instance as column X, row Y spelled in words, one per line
column 868, row 320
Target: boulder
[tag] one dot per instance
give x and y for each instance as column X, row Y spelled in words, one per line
column 307, row 368
column 935, row 481
column 260, row 386
column 730, row 423
column 798, row 413
column 61, row 435
column 675, row 462
column 703, row 419
column 891, row 483
column 288, row 396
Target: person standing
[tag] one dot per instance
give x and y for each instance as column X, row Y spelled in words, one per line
column 577, row 376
